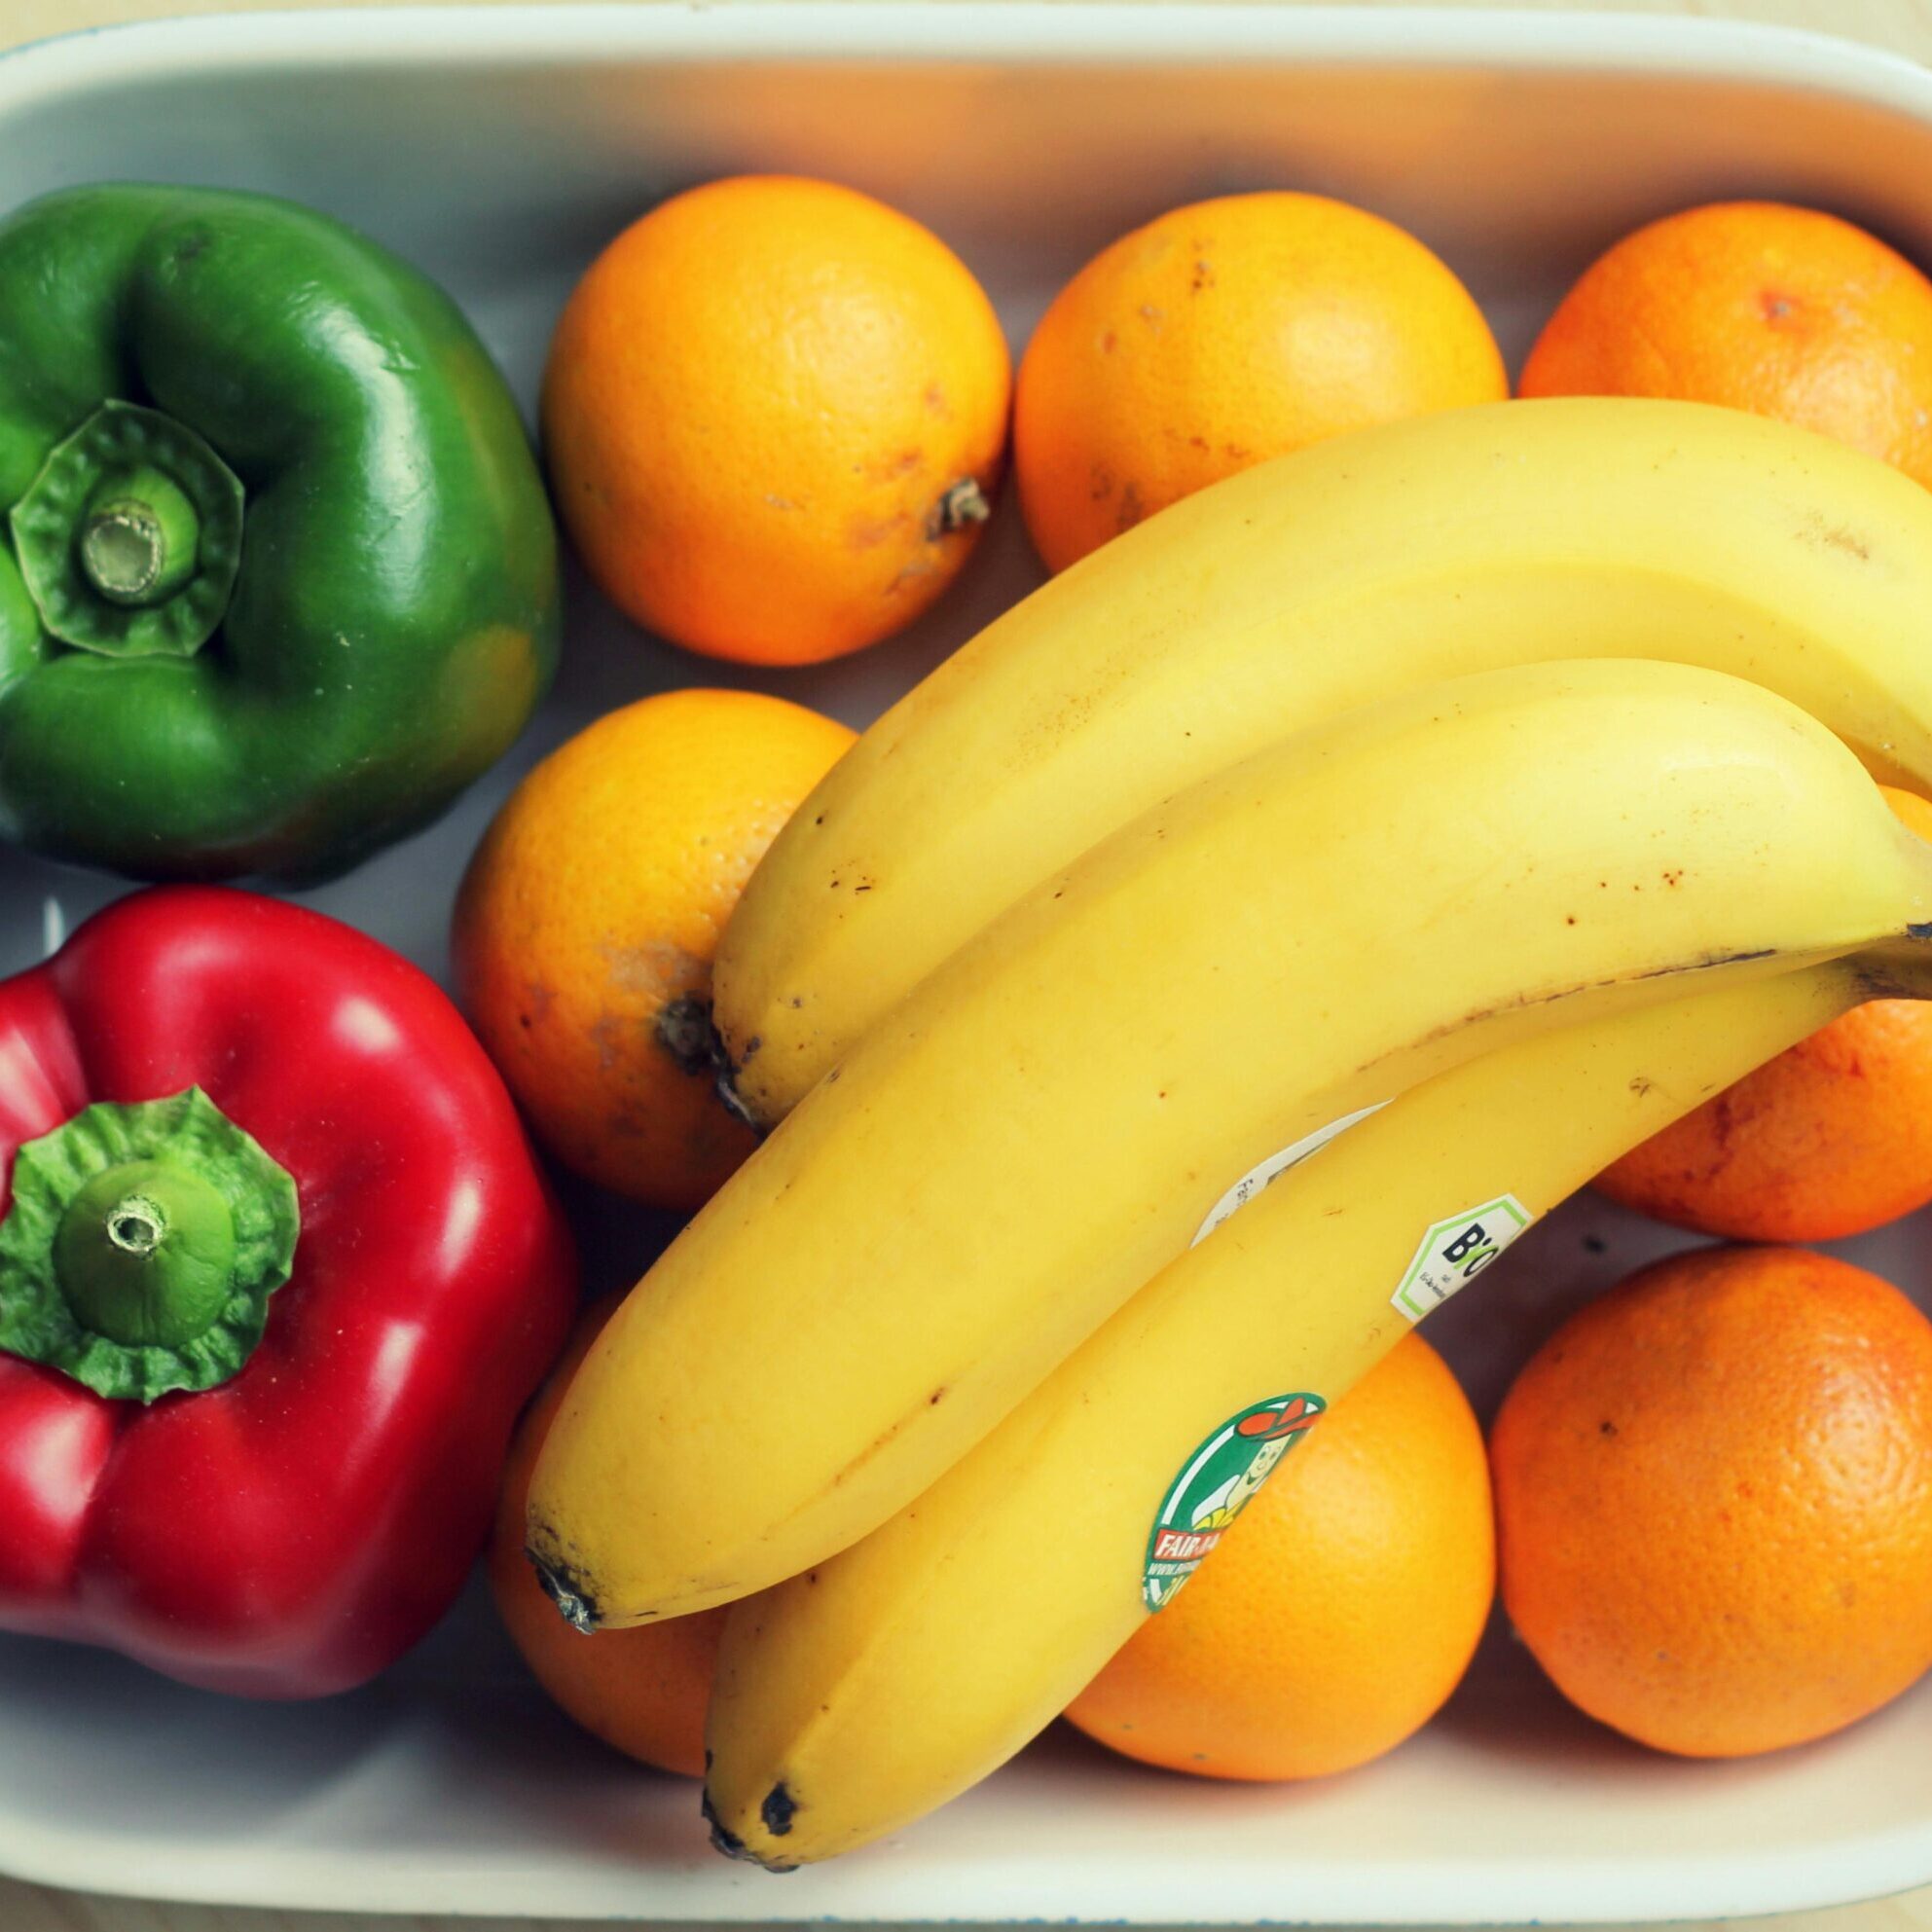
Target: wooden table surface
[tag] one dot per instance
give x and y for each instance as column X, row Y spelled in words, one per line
column 1901, row 27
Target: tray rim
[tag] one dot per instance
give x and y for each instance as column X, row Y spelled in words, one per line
column 1005, row 32
column 305, row 1881
column 1116, row 32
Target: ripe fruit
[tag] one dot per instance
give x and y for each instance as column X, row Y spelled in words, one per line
column 1829, row 1139
column 1668, row 827
column 774, row 412
column 1714, row 1496
column 1223, row 333
column 585, row 928
column 1783, row 310
column 958, row 1607
column 1338, row 1612
column 1832, row 1137
column 643, row 1691
column 1454, row 543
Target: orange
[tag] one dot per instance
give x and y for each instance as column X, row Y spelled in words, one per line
column 1784, row 312
column 775, row 413
column 1714, row 1492
column 587, row 922
column 1223, row 333
column 643, row 1690
column 1832, row 1137
column 1338, row 1613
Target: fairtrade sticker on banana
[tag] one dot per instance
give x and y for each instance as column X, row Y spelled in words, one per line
column 1047, row 1121
column 1571, row 528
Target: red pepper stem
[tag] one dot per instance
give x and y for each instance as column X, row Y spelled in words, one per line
column 145, row 1254
column 142, row 1245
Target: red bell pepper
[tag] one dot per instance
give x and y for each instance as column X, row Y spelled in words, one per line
column 262, row 1488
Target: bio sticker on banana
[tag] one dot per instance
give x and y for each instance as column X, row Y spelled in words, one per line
column 1215, row 1485
column 1455, row 1250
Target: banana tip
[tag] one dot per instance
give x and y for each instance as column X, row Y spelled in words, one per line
column 565, row 1590
column 726, row 1841
column 734, row 1104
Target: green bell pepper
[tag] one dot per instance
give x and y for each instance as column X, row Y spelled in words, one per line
column 280, row 576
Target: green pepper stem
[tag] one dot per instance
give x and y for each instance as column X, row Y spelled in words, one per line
column 129, row 538
column 141, row 537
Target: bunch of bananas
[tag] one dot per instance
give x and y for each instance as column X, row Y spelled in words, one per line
column 1479, row 784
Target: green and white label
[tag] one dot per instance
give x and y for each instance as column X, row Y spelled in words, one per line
column 1455, row 1250
column 1214, row 1486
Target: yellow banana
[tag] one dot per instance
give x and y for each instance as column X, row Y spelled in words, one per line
column 1454, row 543
column 857, row 1698
column 1050, row 1118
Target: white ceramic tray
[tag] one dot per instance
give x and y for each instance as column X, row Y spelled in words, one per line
column 501, row 148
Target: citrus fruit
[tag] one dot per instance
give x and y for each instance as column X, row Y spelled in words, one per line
column 1714, row 1493
column 1222, row 334
column 1341, row 1608
column 1782, row 311
column 642, row 1690
column 587, row 922
column 1832, row 1137
column 775, row 413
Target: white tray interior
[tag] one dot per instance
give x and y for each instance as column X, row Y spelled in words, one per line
column 501, row 149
